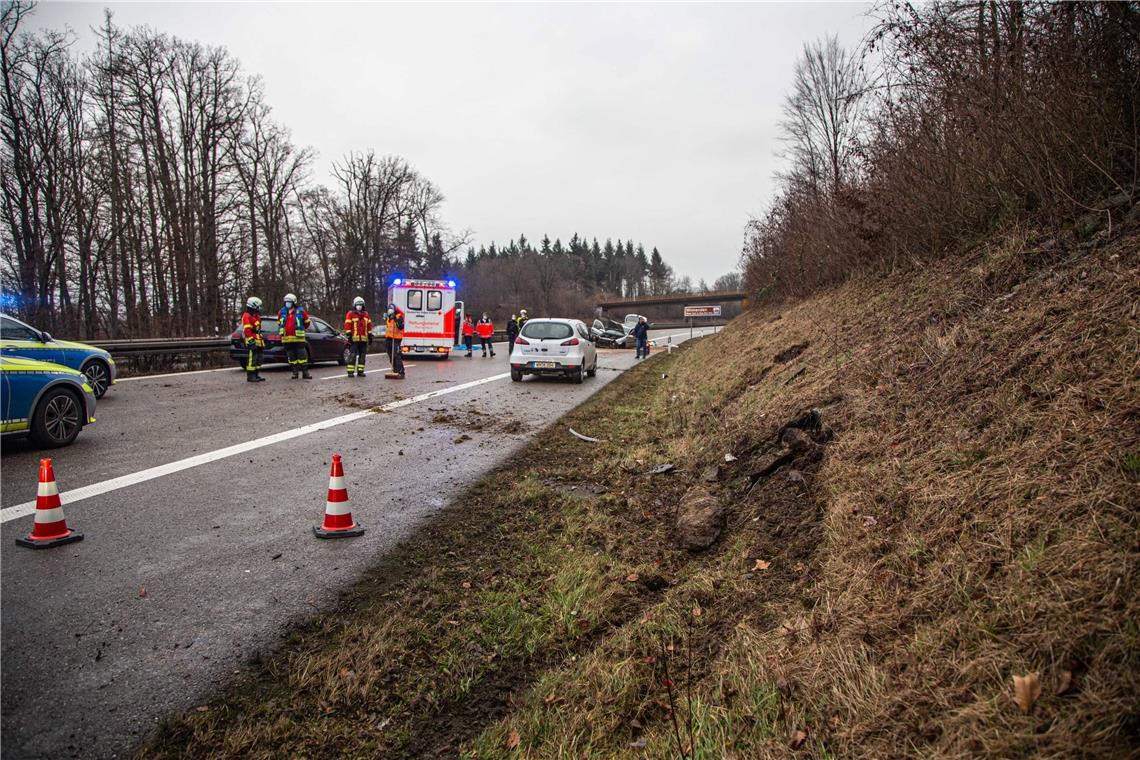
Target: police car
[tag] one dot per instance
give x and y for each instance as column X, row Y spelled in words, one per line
column 47, row 402
column 19, row 339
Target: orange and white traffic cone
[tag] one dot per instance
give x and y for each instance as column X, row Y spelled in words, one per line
column 338, row 516
column 50, row 527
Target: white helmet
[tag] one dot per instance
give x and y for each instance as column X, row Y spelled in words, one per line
column 291, row 297
column 253, row 303
column 522, row 312
column 358, row 301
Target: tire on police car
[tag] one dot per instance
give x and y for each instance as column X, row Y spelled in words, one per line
column 98, row 376
column 58, row 418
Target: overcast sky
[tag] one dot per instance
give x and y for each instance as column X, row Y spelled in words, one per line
column 649, row 122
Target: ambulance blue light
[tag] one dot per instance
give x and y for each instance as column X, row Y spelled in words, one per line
column 451, row 283
column 397, row 281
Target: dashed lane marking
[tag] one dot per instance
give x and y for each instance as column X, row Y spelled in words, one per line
column 177, row 374
column 114, row 484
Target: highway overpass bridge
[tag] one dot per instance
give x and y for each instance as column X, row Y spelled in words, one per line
column 632, row 305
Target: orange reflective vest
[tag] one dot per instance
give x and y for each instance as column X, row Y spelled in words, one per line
column 357, row 324
column 394, row 328
column 251, row 329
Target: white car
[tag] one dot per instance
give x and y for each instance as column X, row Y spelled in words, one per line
column 554, row 347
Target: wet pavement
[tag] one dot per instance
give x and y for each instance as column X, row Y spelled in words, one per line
column 182, row 577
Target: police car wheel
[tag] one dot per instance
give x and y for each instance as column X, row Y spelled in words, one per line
column 58, row 418
column 98, row 376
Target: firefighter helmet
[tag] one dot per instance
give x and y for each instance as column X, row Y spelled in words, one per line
column 358, row 301
column 291, row 297
column 253, row 303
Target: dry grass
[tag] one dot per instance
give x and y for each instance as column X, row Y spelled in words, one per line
column 973, row 518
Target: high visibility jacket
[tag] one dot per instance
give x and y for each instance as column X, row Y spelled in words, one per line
column 485, row 328
column 251, row 329
column 394, row 328
column 519, row 322
column 468, row 328
column 293, row 324
column 358, row 325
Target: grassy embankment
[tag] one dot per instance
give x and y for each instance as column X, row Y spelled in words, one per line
column 965, row 513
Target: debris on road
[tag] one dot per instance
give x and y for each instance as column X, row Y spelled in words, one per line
column 661, row 469
column 729, row 458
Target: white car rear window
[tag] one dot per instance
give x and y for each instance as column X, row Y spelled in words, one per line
column 547, row 330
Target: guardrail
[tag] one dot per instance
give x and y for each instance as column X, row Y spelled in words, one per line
column 134, row 347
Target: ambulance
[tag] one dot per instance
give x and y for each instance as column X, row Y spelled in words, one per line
column 431, row 314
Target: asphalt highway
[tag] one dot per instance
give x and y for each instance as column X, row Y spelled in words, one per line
column 197, row 493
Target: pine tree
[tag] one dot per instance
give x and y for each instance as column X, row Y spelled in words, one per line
column 545, row 245
column 660, row 274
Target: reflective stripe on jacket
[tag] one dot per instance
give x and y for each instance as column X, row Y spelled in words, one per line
column 251, row 329
column 293, row 324
column 358, row 325
column 394, row 328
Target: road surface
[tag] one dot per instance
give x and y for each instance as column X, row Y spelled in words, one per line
column 197, row 493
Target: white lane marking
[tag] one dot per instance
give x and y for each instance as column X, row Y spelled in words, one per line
column 114, row 484
column 177, row 374
column 345, row 375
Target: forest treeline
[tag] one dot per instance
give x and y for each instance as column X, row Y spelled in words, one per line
column 147, row 190
column 556, row 278
column 951, row 120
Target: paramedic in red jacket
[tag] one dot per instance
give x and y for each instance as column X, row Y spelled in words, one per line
column 358, row 327
column 468, row 333
column 486, row 329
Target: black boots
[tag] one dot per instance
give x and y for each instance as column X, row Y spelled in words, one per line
column 305, row 373
column 254, row 377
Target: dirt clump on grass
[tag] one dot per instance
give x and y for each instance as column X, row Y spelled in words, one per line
column 930, row 548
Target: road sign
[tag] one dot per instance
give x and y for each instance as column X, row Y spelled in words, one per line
column 702, row 311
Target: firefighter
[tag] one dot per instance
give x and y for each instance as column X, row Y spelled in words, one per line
column 395, row 332
column 486, row 330
column 358, row 326
column 254, row 343
column 292, row 321
column 468, row 333
column 512, row 332
column 521, row 320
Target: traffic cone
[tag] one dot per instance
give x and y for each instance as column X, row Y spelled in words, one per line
column 338, row 516
column 50, row 527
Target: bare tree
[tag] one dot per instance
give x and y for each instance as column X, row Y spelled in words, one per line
column 823, row 115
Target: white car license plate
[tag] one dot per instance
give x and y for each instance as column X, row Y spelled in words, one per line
column 545, row 365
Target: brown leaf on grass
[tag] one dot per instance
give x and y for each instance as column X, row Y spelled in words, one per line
column 697, row 611
column 466, row 584
column 513, row 740
column 202, row 708
column 632, row 577
column 761, row 565
column 1066, row 682
column 1026, row 690
column 798, row 738
column 552, row 697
